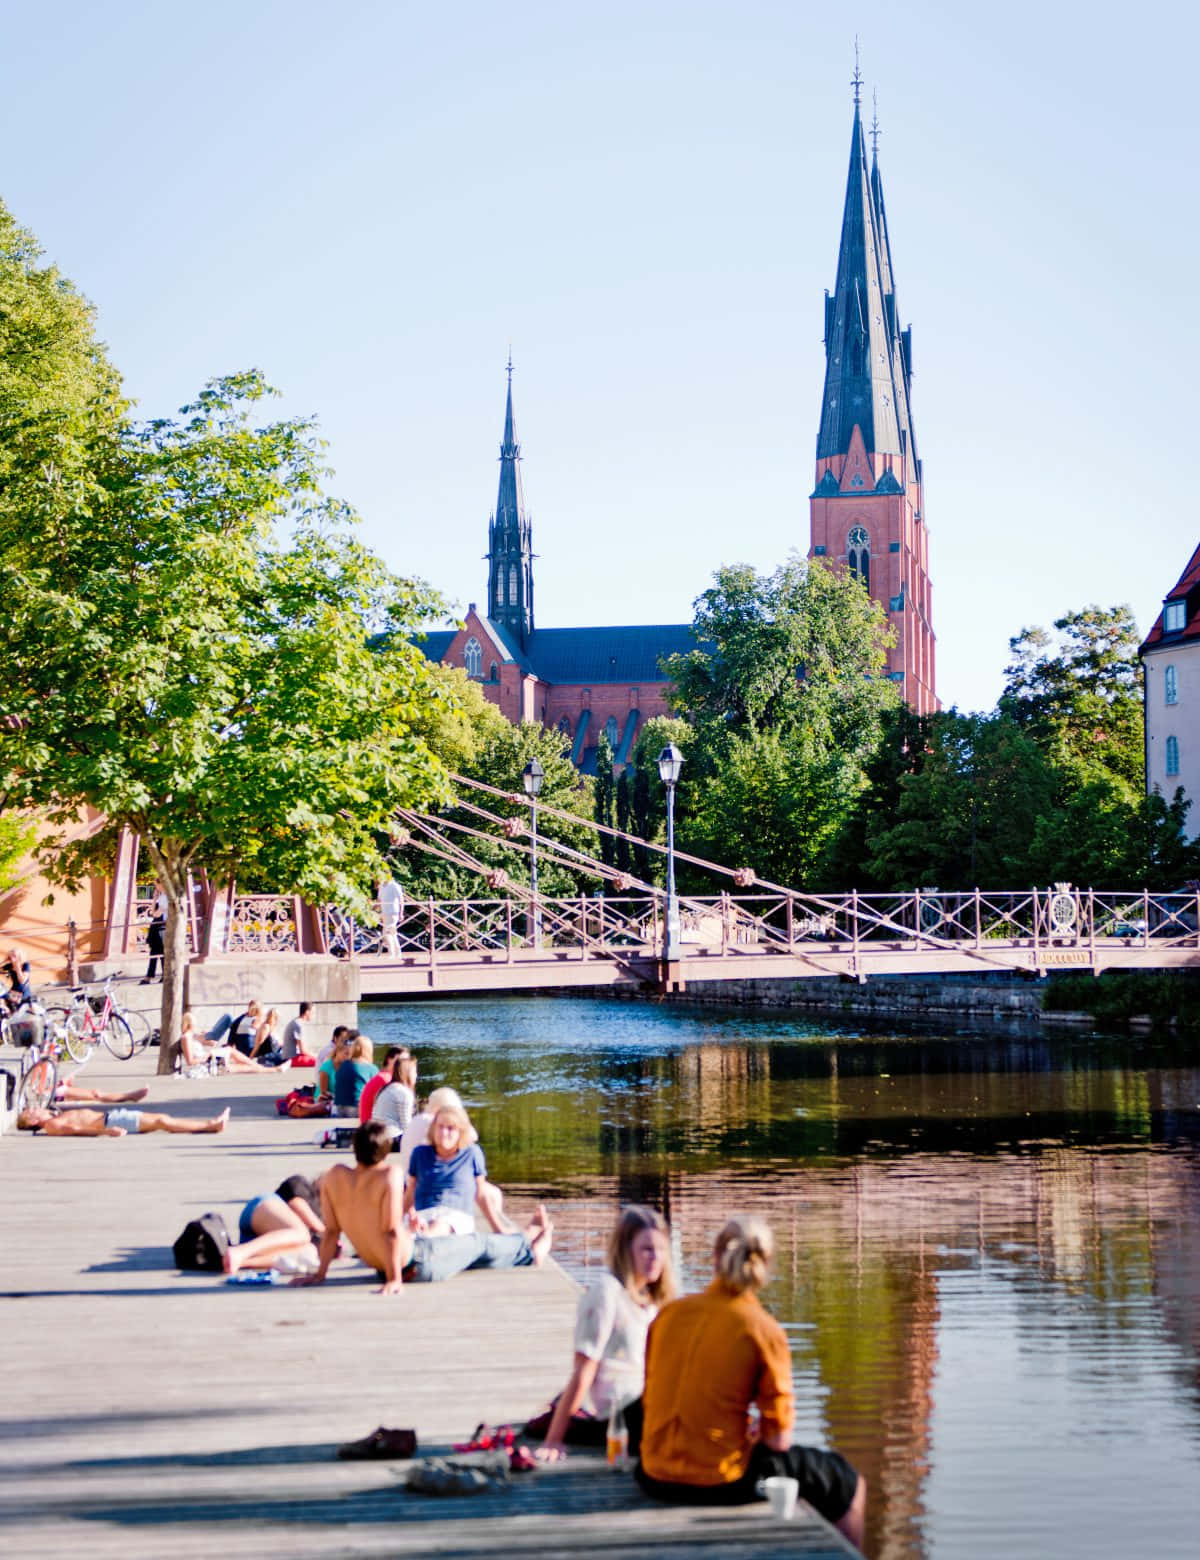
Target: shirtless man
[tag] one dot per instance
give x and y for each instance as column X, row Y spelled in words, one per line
column 366, row 1204
column 114, row 1123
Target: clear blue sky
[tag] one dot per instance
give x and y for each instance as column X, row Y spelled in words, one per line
column 370, row 202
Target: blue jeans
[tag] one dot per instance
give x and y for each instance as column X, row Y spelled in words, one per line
column 438, row 1257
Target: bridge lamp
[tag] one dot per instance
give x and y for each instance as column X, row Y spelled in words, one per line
column 531, row 778
column 670, row 767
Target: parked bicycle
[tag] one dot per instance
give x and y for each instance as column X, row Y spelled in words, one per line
column 95, row 1018
column 39, row 1036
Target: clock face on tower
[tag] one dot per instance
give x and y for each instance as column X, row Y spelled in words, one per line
column 858, row 537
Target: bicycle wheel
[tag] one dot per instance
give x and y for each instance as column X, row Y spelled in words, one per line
column 139, row 1027
column 37, row 1086
column 79, row 1039
column 118, row 1037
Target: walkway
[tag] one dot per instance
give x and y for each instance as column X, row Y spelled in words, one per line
column 150, row 1414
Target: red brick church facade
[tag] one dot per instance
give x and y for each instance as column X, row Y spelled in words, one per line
column 866, row 514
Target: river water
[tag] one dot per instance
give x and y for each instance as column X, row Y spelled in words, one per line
column 988, row 1244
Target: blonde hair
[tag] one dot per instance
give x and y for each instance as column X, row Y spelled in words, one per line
column 361, row 1049
column 272, row 1017
column 632, row 1221
column 442, row 1097
column 188, row 1022
column 466, row 1133
column 253, row 1007
column 742, row 1254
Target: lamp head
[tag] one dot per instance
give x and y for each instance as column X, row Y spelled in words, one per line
column 532, row 776
column 670, row 765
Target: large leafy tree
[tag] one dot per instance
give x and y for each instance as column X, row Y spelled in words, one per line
column 787, row 700
column 196, row 659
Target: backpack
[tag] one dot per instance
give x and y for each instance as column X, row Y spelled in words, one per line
column 202, row 1246
column 293, row 1104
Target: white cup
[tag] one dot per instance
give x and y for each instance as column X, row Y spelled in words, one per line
column 782, row 1494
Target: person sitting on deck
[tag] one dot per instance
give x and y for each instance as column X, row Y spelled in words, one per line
column 283, row 1222
column 328, row 1065
column 266, row 1050
column 708, row 1358
column 114, row 1123
column 447, row 1178
column 244, row 1028
column 394, row 1103
column 352, row 1076
column 16, row 971
column 614, row 1315
column 380, row 1080
column 197, row 1055
column 365, row 1203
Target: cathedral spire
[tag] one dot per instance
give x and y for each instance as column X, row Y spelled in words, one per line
column 510, row 537
column 859, row 389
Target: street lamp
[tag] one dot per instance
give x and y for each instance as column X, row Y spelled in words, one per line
column 670, row 766
column 531, row 777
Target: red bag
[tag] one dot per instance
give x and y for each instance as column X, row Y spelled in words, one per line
column 304, row 1061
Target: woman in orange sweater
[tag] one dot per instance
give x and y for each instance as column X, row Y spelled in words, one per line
column 708, row 1359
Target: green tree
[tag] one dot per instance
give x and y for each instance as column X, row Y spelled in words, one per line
column 648, row 797
column 199, row 663
column 787, row 702
column 604, row 799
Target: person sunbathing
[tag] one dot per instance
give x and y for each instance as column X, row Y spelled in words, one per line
column 283, row 1222
column 366, row 1204
column 114, row 1123
column 68, row 1092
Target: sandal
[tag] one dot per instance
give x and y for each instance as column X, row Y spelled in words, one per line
column 381, row 1443
column 488, row 1438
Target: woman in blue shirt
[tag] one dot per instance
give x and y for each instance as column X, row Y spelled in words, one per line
column 445, row 1177
column 352, row 1077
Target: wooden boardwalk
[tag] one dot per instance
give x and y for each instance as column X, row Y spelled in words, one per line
column 147, row 1413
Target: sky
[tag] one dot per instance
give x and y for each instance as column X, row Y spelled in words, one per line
column 373, row 202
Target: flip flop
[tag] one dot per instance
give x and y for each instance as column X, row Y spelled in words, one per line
column 488, row 1438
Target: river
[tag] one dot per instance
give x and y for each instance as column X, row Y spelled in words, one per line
column 988, row 1244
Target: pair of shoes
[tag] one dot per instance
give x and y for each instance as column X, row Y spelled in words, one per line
column 380, row 1443
column 488, row 1438
column 440, row 1476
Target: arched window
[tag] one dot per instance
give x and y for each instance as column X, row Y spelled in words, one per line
column 500, row 587
column 611, row 732
column 473, row 657
column 1170, row 685
column 858, row 555
column 495, row 673
column 512, row 584
column 564, row 725
column 1172, row 755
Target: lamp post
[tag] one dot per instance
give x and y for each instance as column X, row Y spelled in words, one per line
column 670, row 766
column 531, row 777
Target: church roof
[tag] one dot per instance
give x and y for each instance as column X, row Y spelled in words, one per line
column 1186, row 590
column 861, row 349
column 603, row 655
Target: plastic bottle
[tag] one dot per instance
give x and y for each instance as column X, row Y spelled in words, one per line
column 617, row 1441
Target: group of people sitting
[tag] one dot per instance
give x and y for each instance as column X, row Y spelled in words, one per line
column 251, row 1042
column 704, row 1383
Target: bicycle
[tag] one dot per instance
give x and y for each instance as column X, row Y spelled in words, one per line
column 96, row 1019
column 34, row 1032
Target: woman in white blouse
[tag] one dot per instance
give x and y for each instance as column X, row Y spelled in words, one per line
column 613, row 1318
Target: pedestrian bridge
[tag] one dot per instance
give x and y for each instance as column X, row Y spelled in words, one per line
column 506, row 944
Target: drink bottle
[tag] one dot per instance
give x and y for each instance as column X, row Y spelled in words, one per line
column 617, row 1442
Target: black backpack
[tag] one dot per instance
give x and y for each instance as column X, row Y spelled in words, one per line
column 202, row 1246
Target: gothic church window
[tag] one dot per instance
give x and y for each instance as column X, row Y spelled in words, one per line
column 611, row 732
column 858, row 555
column 1172, row 755
column 473, row 657
column 512, row 584
column 1170, row 686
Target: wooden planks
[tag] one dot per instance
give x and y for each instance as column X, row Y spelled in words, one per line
column 147, row 1413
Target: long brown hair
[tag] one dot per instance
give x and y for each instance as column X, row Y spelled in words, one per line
column 633, row 1220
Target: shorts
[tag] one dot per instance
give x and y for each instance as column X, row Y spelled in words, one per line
column 246, row 1220
column 460, row 1223
column 131, row 1120
column 827, row 1481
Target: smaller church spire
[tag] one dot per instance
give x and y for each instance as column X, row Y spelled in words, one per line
column 856, row 81
column 510, row 536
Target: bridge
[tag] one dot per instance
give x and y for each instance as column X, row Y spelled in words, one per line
column 518, row 943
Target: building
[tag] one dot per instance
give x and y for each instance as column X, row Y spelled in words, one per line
column 866, row 513
column 1171, row 661
column 867, row 509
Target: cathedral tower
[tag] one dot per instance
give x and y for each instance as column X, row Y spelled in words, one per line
column 510, row 541
column 866, row 510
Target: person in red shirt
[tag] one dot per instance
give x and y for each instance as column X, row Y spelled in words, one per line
column 387, row 1074
column 708, row 1359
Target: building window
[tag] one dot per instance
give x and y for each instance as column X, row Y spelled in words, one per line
column 512, row 584
column 612, row 732
column 1174, row 616
column 495, row 673
column 1170, row 685
column 1172, row 755
column 858, row 555
column 564, row 725
column 473, row 657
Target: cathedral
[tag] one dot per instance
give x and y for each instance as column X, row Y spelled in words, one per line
column 866, row 513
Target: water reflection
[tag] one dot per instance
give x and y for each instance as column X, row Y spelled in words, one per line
column 989, row 1248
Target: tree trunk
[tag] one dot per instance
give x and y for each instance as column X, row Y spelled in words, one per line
column 175, row 962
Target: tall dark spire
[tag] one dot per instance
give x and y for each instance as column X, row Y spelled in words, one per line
column 510, row 538
column 859, row 385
